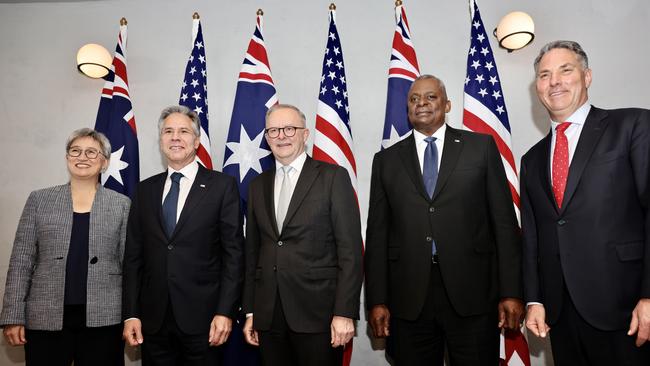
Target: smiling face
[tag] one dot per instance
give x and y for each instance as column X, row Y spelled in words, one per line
column 178, row 142
column 286, row 149
column 81, row 167
column 427, row 105
column 562, row 83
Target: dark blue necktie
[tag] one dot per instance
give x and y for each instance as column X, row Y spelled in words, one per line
column 430, row 168
column 171, row 203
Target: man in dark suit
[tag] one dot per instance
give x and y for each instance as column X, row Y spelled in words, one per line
column 443, row 255
column 303, row 252
column 585, row 195
column 183, row 265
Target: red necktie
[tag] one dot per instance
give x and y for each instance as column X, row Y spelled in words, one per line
column 560, row 162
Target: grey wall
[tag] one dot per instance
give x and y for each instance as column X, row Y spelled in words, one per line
column 43, row 98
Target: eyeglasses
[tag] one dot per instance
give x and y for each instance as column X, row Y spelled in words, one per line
column 75, row 152
column 289, row 131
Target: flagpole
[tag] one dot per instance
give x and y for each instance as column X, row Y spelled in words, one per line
column 195, row 26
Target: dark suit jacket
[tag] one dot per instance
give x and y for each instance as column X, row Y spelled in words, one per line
column 598, row 244
column 471, row 218
column 198, row 270
column 315, row 262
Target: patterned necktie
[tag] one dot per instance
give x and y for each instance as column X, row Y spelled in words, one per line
column 560, row 162
column 170, row 203
column 430, row 168
column 284, row 198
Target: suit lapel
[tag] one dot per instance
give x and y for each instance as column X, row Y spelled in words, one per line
column 450, row 154
column 199, row 188
column 156, row 192
column 305, row 180
column 544, row 166
column 268, row 184
column 409, row 156
column 593, row 129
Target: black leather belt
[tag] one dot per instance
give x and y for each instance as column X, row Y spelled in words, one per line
column 435, row 259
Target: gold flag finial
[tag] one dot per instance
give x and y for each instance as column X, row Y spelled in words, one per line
column 260, row 12
column 332, row 6
column 398, row 3
column 196, row 16
column 123, row 21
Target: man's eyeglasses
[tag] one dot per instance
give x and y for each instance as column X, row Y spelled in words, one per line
column 289, row 131
column 75, row 152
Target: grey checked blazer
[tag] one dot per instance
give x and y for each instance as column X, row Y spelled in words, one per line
column 36, row 277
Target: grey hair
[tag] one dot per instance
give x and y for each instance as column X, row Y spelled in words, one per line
column 196, row 122
column 102, row 140
column 431, row 77
column 569, row 45
column 275, row 107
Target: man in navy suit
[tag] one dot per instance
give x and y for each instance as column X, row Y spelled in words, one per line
column 183, row 265
column 585, row 194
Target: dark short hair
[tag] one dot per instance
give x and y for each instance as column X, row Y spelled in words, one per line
column 568, row 45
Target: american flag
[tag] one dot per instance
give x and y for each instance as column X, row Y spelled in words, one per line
column 485, row 112
column 247, row 153
column 403, row 70
column 484, row 105
column 194, row 92
column 116, row 120
column 333, row 139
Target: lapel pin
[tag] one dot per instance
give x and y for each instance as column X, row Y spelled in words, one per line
column 202, row 185
column 456, row 140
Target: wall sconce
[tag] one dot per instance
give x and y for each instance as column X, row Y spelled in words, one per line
column 515, row 30
column 94, row 61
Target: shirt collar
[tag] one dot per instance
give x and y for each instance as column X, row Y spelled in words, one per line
column 439, row 134
column 296, row 164
column 189, row 171
column 578, row 117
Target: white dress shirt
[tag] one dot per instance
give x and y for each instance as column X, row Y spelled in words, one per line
column 293, row 175
column 421, row 145
column 189, row 174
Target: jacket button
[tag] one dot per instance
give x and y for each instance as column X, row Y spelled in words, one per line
column 429, row 239
column 432, row 209
column 275, row 268
column 170, row 247
column 561, row 222
column 280, row 243
column 93, row 260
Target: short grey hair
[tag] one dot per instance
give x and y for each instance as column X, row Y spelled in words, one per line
column 196, row 122
column 275, row 107
column 568, row 45
column 430, row 77
column 102, row 140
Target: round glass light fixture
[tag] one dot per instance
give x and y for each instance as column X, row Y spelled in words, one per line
column 94, row 61
column 515, row 30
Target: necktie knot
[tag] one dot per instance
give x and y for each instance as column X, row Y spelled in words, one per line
column 176, row 177
column 430, row 139
column 286, row 169
column 562, row 127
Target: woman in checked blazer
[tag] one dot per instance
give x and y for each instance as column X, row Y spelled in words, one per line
column 64, row 284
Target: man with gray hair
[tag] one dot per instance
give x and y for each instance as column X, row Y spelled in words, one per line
column 183, row 265
column 585, row 196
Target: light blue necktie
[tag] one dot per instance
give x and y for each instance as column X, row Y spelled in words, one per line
column 171, row 203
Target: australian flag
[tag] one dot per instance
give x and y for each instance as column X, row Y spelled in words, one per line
column 401, row 73
column 247, row 155
column 116, row 120
column 194, row 93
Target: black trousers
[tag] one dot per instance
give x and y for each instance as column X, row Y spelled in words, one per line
column 97, row 346
column 170, row 346
column 577, row 343
column 470, row 341
column 280, row 346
